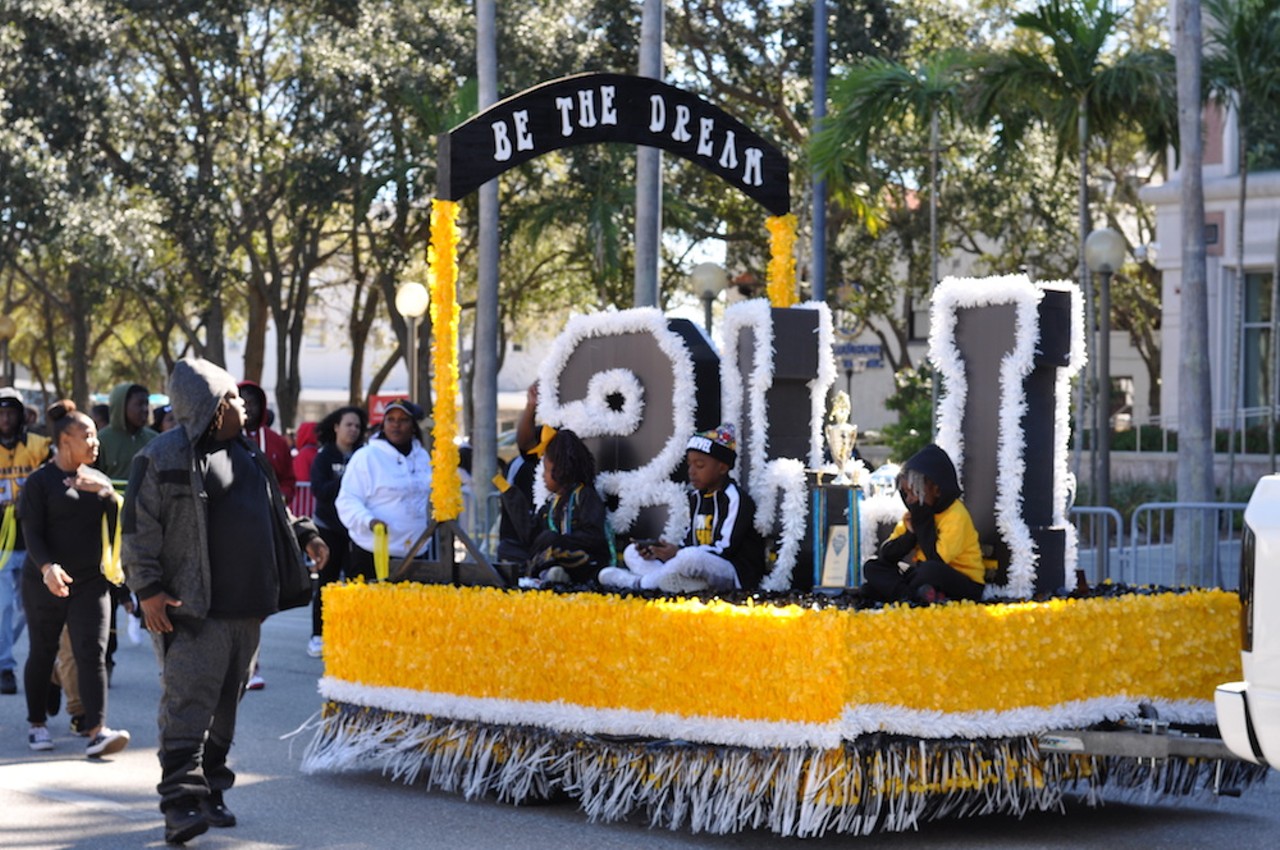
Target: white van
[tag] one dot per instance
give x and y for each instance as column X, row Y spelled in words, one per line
column 1249, row 711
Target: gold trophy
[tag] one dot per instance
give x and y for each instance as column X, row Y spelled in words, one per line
column 841, row 437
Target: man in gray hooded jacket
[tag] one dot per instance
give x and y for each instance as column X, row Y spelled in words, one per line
column 211, row 550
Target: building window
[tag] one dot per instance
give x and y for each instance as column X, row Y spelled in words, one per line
column 1258, row 356
column 917, row 318
column 314, row 335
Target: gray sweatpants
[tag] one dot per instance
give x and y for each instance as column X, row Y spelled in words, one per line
column 204, row 667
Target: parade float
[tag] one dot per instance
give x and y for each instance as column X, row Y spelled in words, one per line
column 796, row 708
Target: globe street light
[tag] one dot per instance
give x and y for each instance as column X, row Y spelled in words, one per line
column 411, row 302
column 1104, row 252
column 708, row 279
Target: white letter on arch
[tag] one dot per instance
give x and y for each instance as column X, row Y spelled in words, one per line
column 501, row 142
column 657, row 113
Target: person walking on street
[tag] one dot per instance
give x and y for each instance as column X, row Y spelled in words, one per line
column 388, row 484
column 211, row 550
column 21, row 453
column 68, row 509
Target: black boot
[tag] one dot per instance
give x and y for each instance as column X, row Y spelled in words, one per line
column 216, row 812
column 183, row 821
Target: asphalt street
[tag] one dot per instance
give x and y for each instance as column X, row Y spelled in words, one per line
column 60, row 799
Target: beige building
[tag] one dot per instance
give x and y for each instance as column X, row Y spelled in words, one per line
column 1262, row 229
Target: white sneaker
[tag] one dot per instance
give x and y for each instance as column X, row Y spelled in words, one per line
column 106, row 742
column 135, row 630
column 618, row 577
column 315, row 646
column 38, row 738
column 256, row 683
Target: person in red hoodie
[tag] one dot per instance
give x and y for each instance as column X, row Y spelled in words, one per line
column 272, row 445
column 306, row 447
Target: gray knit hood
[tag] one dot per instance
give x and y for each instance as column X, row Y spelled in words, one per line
column 196, row 388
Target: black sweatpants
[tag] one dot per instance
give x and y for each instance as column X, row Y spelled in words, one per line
column 205, row 664
column 889, row 584
column 87, row 615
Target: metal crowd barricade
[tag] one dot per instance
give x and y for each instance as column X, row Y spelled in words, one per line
column 1186, row 543
column 1170, row 544
column 1100, row 542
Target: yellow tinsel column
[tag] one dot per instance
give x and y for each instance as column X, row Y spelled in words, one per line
column 442, row 275
column 781, row 276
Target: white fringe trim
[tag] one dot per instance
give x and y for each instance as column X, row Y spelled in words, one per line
column 767, row 476
column 880, row 783
column 593, row 417
column 854, row 721
column 821, row 384
column 874, row 512
column 1064, row 483
column 785, row 476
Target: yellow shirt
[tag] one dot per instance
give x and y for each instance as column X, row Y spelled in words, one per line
column 18, row 462
column 958, row 544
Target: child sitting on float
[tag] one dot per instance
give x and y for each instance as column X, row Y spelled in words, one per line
column 567, row 539
column 933, row 554
column 722, row 551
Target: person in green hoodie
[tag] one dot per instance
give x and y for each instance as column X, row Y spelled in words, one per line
column 128, row 431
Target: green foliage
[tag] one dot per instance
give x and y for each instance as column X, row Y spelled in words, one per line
column 912, row 401
column 171, row 172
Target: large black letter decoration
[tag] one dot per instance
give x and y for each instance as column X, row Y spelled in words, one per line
column 593, row 108
column 776, row 370
column 1008, row 437
column 634, row 385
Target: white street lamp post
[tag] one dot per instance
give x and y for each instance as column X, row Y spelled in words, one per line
column 411, row 302
column 708, row 279
column 1104, row 252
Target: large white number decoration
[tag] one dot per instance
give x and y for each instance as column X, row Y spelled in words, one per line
column 769, row 467
column 626, row 380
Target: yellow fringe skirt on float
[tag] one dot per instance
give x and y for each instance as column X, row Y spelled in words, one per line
column 802, row 719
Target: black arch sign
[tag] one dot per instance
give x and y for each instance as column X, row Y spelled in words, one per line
column 592, row 108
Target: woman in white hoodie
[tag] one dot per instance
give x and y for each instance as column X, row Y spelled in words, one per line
column 388, row 482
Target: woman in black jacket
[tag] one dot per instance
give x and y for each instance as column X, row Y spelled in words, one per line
column 568, row 538
column 339, row 434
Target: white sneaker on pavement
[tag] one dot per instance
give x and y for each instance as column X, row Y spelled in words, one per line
column 39, row 739
column 315, row 646
column 106, row 742
column 135, row 629
column 256, row 682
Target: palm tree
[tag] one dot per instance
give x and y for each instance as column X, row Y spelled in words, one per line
column 1073, row 89
column 1242, row 70
column 878, row 97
